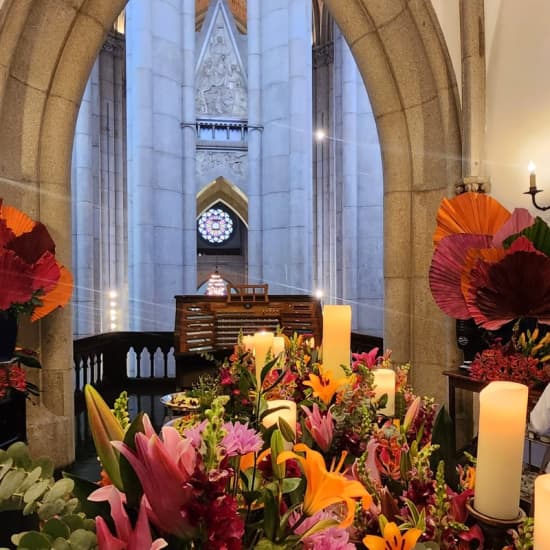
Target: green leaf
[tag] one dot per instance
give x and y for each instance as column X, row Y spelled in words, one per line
column 6, row 466
column 82, row 540
column 56, row 529
column 130, row 481
column 50, row 509
column 286, row 430
column 36, row 491
column 290, row 484
column 28, row 360
column 10, row 483
column 47, row 466
column 319, row 526
column 74, row 521
column 31, row 479
column 60, row 489
column 61, row 544
column 265, row 370
column 265, row 544
column 270, row 515
column 20, row 454
column 538, row 234
column 277, row 447
column 34, row 541
column 443, row 435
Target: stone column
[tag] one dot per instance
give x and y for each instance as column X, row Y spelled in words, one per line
column 472, row 34
column 255, row 272
column 141, row 258
column 83, row 211
column 349, row 239
column 189, row 135
column 286, row 153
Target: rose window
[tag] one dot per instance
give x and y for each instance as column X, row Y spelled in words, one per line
column 215, row 225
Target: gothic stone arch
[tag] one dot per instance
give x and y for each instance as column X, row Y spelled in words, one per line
column 46, row 53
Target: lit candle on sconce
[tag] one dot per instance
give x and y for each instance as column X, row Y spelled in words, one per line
column 532, row 176
column 384, row 383
column 262, row 346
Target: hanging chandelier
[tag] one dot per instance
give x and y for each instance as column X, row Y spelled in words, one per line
column 215, row 285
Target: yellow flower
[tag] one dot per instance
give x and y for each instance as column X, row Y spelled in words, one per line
column 393, row 539
column 326, row 487
column 325, row 385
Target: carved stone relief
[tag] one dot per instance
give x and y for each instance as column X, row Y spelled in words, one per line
column 221, row 86
column 234, row 162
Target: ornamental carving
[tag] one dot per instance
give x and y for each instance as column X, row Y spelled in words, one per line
column 221, row 86
column 222, row 161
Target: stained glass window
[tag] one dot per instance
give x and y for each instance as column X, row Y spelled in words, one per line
column 215, row 225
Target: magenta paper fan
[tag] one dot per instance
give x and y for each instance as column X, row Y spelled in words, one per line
column 519, row 220
column 446, row 268
column 45, row 273
column 517, row 286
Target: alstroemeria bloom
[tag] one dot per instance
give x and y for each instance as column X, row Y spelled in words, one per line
column 321, row 427
column 325, row 385
column 326, row 487
column 240, row 439
column 393, row 539
column 126, row 538
column 164, row 468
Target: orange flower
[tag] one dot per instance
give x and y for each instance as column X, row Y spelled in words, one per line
column 325, row 385
column 326, row 487
column 393, row 539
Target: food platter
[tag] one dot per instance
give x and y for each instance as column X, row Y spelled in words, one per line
column 180, row 402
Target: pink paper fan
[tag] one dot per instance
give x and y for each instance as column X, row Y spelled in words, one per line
column 517, row 286
column 15, row 280
column 519, row 220
column 446, row 268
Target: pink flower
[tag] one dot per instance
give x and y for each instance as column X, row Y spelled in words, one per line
column 240, row 439
column 367, row 359
column 164, row 468
column 126, row 538
column 321, row 427
column 194, row 434
column 331, row 538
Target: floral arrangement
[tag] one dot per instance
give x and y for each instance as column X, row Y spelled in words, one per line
column 489, row 264
column 32, row 280
column 338, row 476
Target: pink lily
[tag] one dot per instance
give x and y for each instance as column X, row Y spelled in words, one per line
column 164, row 468
column 320, row 427
column 126, row 538
column 366, row 358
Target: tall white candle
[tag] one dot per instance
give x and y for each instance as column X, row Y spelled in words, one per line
column 262, row 346
column 288, row 414
column 248, row 342
column 502, row 420
column 384, row 383
column 336, row 338
column 542, row 512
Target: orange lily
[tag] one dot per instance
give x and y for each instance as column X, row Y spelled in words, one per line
column 325, row 385
column 326, row 487
column 393, row 539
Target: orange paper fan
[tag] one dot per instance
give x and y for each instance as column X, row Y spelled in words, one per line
column 469, row 213
column 16, row 220
column 58, row 297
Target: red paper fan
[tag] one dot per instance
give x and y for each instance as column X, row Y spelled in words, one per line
column 472, row 213
column 446, row 268
column 487, row 255
column 517, row 286
column 519, row 220
column 32, row 245
column 45, row 273
column 15, row 280
column 6, row 234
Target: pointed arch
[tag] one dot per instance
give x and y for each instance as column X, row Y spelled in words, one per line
column 221, row 190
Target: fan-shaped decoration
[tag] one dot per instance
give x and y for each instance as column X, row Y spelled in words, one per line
column 517, row 286
column 487, row 255
column 446, row 268
column 30, row 246
column 16, row 220
column 470, row 213
column 520, row 219
column 6, row 234
column 538, row 233
column 14, row 280
column 58, row 297
column 45, row 273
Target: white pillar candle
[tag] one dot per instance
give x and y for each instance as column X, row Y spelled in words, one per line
column 248, row 342
column 542, row 512
column 502, row 421
column 288, row 414
column 384, row 383
column 336, row 338
column 278, row 346
column 262, row 346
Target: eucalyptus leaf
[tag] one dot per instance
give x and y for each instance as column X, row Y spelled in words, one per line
column 61, row 544
column 51, row 509
column 31, row 479
column 20, row 454
column 46, row 464
column 82, row 539
column 36, row 491
column 56, row 528
column 61, row 488
column 82, row 489
column 74, row 521
column 35, row 541
column 10, row 483
column 5, row 467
